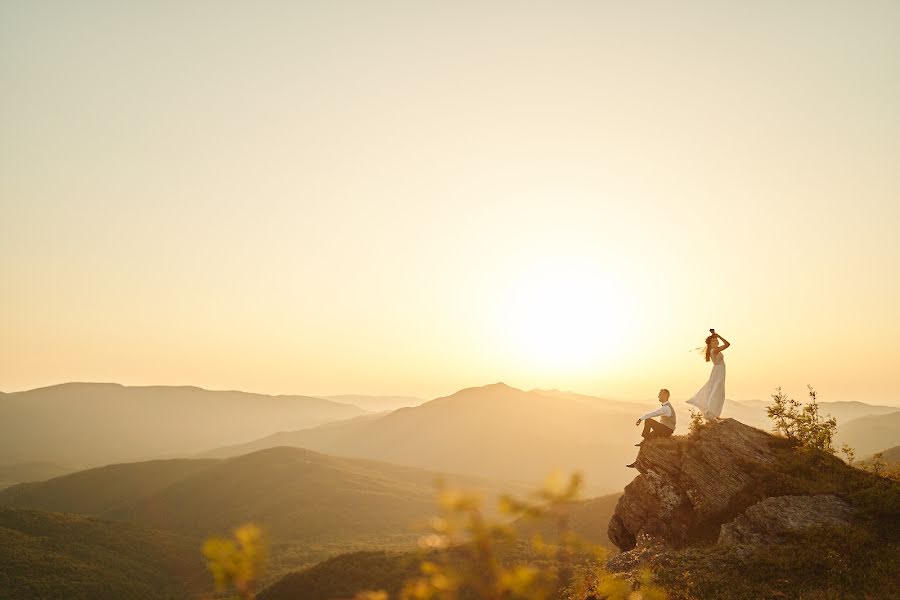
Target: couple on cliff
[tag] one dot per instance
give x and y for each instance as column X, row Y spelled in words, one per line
column 709, row 399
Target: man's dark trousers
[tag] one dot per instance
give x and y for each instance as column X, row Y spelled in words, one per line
column 654, row 429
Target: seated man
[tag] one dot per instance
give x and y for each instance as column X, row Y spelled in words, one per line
column 662, row 428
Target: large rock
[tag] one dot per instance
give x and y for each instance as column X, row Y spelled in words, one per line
column 689, row 487
column 767, row 522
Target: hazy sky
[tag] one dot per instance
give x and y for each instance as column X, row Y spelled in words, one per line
column 414, row 197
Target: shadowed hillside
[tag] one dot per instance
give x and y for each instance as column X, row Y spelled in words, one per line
column 345, row 575
column 103, row 489
column 494, row 431
column 91, row 424
column 51, row 555
column 310, row 505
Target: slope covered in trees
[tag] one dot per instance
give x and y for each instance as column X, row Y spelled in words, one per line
column 51, row 555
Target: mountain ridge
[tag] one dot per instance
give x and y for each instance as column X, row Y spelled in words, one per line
column 494, row 431
column 87, row 424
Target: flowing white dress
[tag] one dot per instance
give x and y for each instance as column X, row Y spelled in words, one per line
column 711, row 396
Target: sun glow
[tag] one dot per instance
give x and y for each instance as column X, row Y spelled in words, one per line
column 562, row 316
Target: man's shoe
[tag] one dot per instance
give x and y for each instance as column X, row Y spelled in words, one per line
column 640, row 443
column 632, row 465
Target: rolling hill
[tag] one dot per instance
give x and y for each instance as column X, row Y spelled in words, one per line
column 310, row 505
column 496, row 432
column 753, row 412
column 891, row 455
column 51, row 555
column 345, row 575
column 92, row 424
column 291, row 492
column 101, row 490
column 871, row 434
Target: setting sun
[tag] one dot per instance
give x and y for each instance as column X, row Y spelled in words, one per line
column 564, row 316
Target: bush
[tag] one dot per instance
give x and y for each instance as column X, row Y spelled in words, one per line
column 801, row 423
column 697, row 422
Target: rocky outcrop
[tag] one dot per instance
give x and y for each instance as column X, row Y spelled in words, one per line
column 768, row 521
column 689, row 487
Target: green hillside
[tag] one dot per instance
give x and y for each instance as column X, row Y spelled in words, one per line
column 103, row 489
column 52, row 556
column 310, row 505
column 292, row 493
column 345, row 575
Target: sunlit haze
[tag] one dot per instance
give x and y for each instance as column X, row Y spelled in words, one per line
column 417, row 197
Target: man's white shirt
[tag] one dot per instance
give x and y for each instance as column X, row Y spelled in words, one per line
column 663, row 411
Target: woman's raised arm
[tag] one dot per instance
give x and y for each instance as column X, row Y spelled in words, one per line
column 724, row 341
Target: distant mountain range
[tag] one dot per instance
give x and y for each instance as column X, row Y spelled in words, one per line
column 328, row 483
column 500, row 432
column 753, row 412
column 496, row 431
column 865, row 427
column 493, row 431
column 79, row 425
column 376, row 403
column 867, row 435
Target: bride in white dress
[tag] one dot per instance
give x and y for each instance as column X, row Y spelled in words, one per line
column 711, row 396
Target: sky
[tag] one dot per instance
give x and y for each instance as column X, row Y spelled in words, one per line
column 416, row 197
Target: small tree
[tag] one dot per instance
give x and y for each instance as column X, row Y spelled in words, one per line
column 697, row 422
column 784, row 412
column 878, row 464
column 802, row 423
column 849, row 452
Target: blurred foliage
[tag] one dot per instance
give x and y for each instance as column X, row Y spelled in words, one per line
column 465, row 555
column 237, row 563
column 345, row 574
